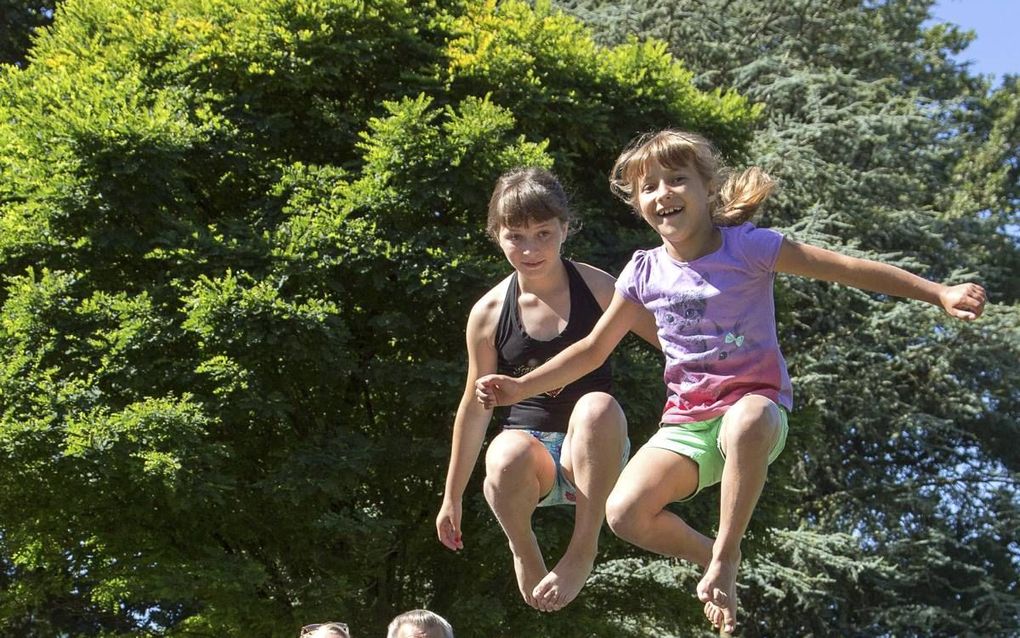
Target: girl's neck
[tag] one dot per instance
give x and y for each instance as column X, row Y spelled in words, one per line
column 551, row 281
column 693, row 247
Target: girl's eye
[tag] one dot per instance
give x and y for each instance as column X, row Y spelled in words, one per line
column 514, row 237
column 544, row 234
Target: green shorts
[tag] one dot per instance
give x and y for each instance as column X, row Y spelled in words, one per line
column 700, row 442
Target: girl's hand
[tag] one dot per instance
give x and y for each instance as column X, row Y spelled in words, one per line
column 448, row 525
column 965, row 301
column 497, row 389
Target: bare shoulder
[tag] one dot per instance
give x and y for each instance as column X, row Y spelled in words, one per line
column 485, row 313
column 601, row 283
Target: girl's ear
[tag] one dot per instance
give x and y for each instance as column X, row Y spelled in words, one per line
column 566, row 231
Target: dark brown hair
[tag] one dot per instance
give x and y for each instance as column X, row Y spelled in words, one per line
column 525, row 195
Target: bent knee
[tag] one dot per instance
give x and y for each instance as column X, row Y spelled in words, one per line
column 598, row 409
column 754, row 421
column 624, row 515
column 509, row 452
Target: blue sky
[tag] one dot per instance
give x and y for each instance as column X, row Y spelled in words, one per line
column 996, row 23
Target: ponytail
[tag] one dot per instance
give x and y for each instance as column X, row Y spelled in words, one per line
column 741, row 195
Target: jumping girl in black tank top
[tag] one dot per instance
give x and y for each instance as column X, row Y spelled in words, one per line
column 519, row 354
column 532, row 460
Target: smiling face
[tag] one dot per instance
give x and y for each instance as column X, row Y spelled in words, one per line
column 533, row 249
column 674, row 201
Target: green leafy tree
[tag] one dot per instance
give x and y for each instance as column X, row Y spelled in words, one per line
column 904, row 481
column 239, row 241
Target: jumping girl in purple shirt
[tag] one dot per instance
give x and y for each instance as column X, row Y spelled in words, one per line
column 709, row 286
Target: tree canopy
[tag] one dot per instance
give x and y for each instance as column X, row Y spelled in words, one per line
column 239, row 240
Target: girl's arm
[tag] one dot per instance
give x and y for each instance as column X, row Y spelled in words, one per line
column 470, row 424
column 964, row 301
column 569, row 365
column 646, row 328
column 603, row 286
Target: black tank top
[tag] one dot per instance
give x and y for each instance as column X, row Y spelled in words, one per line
column 520, row 354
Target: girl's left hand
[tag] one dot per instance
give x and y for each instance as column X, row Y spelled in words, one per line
column 965, row 301
column 496, row 389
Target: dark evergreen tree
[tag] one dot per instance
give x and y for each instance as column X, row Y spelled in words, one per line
column 902, row 478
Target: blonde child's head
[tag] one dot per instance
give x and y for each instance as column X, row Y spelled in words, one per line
column 732, row 198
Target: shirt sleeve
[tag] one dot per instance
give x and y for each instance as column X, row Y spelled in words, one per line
column 628, row 284
column 760, row 246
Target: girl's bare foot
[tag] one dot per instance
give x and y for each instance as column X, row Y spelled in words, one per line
column 564, row 582
column 714, row 615
column 718, row 588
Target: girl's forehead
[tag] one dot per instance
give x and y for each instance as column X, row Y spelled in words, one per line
column 654, row 165
column 532, row 224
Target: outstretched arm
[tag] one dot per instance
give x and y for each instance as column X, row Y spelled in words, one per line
column 569, row 365
column 645, row 327
column 468, row 427
column 964, row 301
column 603, row 286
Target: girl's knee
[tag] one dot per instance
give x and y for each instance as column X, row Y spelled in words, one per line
column 624, row 515
column 510, row 452
column 597, row 410
column 753, row 421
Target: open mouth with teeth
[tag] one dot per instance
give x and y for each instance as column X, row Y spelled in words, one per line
column 669, row 212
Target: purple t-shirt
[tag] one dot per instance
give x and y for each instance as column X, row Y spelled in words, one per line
column 717, row 322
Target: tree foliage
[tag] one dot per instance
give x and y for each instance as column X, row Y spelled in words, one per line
column 238, row 241
column 904, row 481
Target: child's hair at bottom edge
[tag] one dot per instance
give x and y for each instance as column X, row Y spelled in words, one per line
column 421, row 619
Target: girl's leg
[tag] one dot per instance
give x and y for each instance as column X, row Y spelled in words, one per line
column 518, row 471
column 591, row 460
column 636, row 507
column 749, row 431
